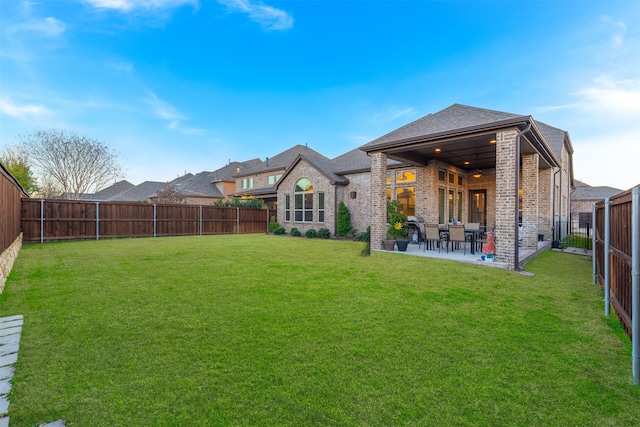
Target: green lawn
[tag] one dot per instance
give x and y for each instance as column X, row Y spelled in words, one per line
column 268, row 330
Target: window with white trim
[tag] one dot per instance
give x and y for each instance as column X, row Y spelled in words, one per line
column 287, row 207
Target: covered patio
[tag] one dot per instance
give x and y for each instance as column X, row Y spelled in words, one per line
column 476, row 165
column 459, row 256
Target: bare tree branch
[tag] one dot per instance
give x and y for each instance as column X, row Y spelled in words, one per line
column 75, row 164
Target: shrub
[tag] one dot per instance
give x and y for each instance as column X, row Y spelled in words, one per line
column 237, row 202
column 295, row 232
column 273, row 224
column 324, row 233
column 343, row 227
column 279, row 231
column 311, row 234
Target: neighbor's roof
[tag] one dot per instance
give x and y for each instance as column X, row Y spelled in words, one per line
column 586, row 192
column 281, row 160
column 112, row 190
column 455, row 118
column 354, row 161
column 139, row 192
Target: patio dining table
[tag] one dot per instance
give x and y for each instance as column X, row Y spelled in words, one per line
column 474, row 233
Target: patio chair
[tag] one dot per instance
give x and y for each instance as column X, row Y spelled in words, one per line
column 473, row 226
column 431, row 235
column 457, row 236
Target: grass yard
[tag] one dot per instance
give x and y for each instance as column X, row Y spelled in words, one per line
column 268, row 330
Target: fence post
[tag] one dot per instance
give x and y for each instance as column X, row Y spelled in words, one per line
column 237, row 220
column 593, row 243
column 607, row 244
column 635, row 283
column 201, row 220
column 41, row 220
column 97, row 220
column 154, row 220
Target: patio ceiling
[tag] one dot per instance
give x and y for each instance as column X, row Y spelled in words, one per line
column 467, row 153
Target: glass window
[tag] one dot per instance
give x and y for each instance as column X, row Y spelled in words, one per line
column 287, row 207
column 441, row 175
column 406, row 176
column 441, row 205
column 303, row 201
column 320, row 207
column 388, row 195
column 459, row 205
column 272, row 179
column 389, row 177
column 451, row 203
column 247, row 183
column 452, row 178
column 406, row 197
column 459, row 179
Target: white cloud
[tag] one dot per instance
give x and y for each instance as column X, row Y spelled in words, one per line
column 268, row 17
column 171, row 115
column 611, row 96
column 50, row 26
column 21, row 111
column 129, row 5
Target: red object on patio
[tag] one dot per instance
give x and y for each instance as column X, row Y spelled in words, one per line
column 489, row 247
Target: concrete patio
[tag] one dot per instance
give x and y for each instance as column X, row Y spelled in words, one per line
column 459, row 255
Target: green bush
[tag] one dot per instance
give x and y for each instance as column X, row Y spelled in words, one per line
column 311, row 234
column 295, row 232
column 343, row 227
column 237, row 202
column 324, row 233
column 279, row 231
column 273, row 224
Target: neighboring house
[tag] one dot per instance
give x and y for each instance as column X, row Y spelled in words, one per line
column 505, row 171
column 259, row 180
column 206, row 187
column 139, row 193
column 583, row 198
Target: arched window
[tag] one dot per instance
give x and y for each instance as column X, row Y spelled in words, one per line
column 303, row 201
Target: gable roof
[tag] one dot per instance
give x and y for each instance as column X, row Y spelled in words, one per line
column 456, row 117
column 113, row 189
column 584, row 191
column 228, row 172
column 139, row 192
column 324, row 166
column 281, row 160
column 556, row 138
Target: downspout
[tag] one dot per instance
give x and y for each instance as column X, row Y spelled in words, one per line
column 516, row 250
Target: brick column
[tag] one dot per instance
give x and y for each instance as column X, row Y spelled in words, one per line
column 544, row 203
column 378, row 199
column 505, row 197
column 427, row 193
column 530, row 203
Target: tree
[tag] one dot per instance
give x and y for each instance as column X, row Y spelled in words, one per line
column 16, row 160
column 74, row 164
column 171, row 195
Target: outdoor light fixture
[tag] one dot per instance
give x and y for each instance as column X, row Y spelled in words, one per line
column 477, row 173
column 438, row 150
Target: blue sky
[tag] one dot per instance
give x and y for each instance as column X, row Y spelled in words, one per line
column 187, row 85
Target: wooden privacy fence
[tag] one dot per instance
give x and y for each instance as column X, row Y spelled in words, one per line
column 58, row 220
column 10, row 194
column 616, row 263
column 620, row 254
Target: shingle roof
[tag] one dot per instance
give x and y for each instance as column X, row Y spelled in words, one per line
column 139, row 192
column 586, row 192
column 199, row 185
column 112, row 190
column 228, row 172
column 355, row 160
column 281, row 160
column 555, row 137
column 452, row 118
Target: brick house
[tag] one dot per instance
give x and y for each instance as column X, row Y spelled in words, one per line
column 583, row 198
column 508, row 172
column 505, row 171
